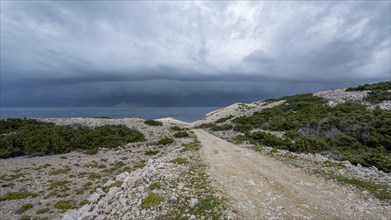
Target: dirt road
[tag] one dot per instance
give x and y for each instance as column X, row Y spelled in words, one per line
column 263, row 188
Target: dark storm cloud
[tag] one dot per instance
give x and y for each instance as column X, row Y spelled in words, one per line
column 187, row 53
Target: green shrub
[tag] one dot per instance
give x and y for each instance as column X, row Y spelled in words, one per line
column 151, row 152
column 215, row 127
column 83, row 202
column 192, row 146
column 180, row 160
column 25, row 217
column 348, row 130
column 24, row 208
column 176, row 128
column 153, row 122
column 103, row 117
column 155, row 186
column 165, row 141
column 181, row 134
column 32, row 138
column 153, row 199
column 43, row 210
column 224, row 119
column 64, row 205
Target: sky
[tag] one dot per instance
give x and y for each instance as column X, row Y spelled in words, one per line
column 177, row 53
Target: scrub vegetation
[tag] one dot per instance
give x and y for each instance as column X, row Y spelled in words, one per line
column 348, row 131
column 30, row 137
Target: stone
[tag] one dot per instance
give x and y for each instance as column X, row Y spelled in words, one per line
column 121, row 177
column 108, row 183
column 94, row 197
column 85, row 208
column 193, row 202
column 173, row 198
column 71, row 214
column 100, row 191
column 192, row 217
column 132, row 181
column 100, row 217
column 111, row 194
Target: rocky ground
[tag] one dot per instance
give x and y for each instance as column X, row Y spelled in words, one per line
column 136, row 181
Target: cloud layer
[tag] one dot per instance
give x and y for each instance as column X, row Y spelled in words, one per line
column 71, row 53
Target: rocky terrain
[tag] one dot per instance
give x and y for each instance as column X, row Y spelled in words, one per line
column 136, row 181
column 204, row 174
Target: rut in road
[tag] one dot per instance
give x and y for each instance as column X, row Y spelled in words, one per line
column 260, row 187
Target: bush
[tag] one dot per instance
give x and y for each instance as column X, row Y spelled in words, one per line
column 224, row 119
column 181, row 134
column 24, row 208
column 32, row 138
column 63, row 205
column 153, row 199
column 348, row 130
column 176, row 128
column 165, row 141
column 215, row 127
column 153, row 123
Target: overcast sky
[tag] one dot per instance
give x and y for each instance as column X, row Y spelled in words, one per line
column 123, row 53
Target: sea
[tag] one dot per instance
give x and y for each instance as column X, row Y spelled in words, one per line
column 188, row 114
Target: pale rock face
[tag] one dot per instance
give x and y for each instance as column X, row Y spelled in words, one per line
column 122, row 176
column 193, row 202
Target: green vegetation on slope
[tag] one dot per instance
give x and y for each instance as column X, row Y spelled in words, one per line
column 29, row 137
column 348, row 131
column 377, row 92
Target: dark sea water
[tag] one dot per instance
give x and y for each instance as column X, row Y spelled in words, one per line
column 187, row 114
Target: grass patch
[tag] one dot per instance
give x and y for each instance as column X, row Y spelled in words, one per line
column 151, row 152
column 42, row 211
column 180, row 160
column 59, row 171
column 155, row 185
column 59, row 185
column 17, row 195
column 195, row 145
column 83, row 202
column 140, row 165
column 25, row 217
column 115, row 184
column 24, row 208
column 152, row 200
column 63, row 205
column 379, row 191
column 93, row 176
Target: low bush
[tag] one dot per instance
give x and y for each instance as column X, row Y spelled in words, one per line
column 181, row 134
column 176, row 128
column 64, row 205
column 153, row 199
column 153, row 122
column 29, row 137
column 24, row 208
column 215, row 127
column 348, row 130
column 165, row 141
column 224, row 119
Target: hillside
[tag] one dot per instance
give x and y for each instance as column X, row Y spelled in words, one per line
column 308, row 156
